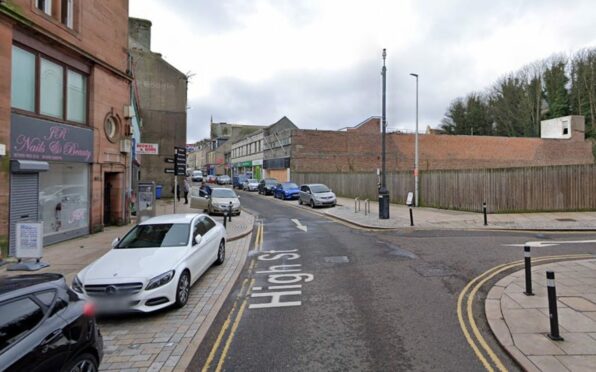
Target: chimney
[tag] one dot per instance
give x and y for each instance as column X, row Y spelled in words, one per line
column 139, row 33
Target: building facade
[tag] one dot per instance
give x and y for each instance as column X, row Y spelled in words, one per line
column 162, row 100
column 277, row 149
column 247, row 155
column 64, row 121
column 223, row 136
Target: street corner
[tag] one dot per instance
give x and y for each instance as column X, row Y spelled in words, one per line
column 544, row 318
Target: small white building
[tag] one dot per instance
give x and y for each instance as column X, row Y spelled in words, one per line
column 247, row 155
column 566, row 127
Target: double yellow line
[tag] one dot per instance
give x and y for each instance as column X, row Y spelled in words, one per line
column 474, row 338
column 235, row 314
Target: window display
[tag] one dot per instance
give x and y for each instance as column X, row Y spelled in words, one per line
column 64, row 198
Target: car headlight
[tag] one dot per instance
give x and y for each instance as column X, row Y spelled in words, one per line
column 77, row 286
column 160, row 280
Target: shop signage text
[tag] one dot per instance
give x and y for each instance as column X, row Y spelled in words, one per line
column 36, row 139
column 148, row 148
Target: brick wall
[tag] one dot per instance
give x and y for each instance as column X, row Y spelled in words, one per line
column 359, row 151
column 5, row 81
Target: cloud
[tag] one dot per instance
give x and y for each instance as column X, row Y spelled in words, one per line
column 318, row 62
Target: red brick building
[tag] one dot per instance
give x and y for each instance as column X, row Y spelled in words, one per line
column 64, row 107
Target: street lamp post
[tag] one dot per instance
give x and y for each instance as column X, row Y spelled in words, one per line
column 383, row 192
column 416, row 187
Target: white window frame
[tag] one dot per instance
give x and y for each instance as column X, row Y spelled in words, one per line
column 69, row 14
column 47, row 6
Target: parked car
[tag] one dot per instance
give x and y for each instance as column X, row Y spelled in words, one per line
column 267, row 185
column 316, row 195
column 238, row 181
column 286, row 190
column 211, row 178
column 223, row 180
column 251, row 184
column 196, row 176
column 216, row 202
column 154, row 265
column 45, row 326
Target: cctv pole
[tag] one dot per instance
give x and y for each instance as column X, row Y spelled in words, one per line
column 383, row 192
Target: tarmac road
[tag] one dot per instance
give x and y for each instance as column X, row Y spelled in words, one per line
column 355, row 299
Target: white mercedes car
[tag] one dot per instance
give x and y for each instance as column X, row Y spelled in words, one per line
column 154, row 265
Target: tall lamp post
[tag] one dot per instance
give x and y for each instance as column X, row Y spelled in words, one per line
column 416, row 187
column 383, row 192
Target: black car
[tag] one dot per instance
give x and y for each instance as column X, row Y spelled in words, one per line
column 267, row 185
column 44, row 326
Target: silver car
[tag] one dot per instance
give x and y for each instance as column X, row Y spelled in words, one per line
column 217, row 202
column 250, row 184
column 316, row 195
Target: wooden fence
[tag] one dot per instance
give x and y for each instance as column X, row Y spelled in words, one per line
column 531, row 189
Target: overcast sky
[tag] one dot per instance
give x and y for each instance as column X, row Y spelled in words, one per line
column 318, row 62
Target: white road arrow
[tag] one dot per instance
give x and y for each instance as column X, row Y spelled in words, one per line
column 550, row 243
column 299, row 225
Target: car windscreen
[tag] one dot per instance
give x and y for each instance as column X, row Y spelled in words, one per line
column 288, row 186
column 223, row 193
column 197, row 173
column 252, row 180
column 319, row 189
column 156, row 236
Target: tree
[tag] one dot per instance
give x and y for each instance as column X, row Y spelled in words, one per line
column 455, row 118
column 555, row 88
column 583, row 88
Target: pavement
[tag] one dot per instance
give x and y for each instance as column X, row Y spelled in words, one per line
column 443, row 219
column 164, row 340
column 521, row 323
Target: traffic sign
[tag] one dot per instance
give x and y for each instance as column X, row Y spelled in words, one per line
column 170, row 160
column 169, row 170
column 180, row 161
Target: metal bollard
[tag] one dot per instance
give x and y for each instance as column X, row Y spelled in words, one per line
column 359, row 205
column 225, row 218
column 356, row 205
column 552, row 307
column 366, row 207
column 230, row 211
column 528, row 267
column 484, row 210
column 411, row 217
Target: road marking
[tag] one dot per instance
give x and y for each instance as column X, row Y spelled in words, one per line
column 548, row 243
column 481, row 280
column 224, row 353
column 299, row 225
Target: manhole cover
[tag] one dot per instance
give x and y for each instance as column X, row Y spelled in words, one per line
column 566, row 220
column 434, row 270
column 337, row 259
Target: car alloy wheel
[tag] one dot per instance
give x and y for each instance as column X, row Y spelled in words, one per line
column 183, row 289
column 83, row 363
column 221, row 253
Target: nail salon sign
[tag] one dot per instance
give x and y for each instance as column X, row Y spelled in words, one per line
column 36, row 139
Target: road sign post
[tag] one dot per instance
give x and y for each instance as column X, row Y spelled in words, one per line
column 179, row 168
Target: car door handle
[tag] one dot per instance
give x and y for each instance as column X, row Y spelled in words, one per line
column 52, row 337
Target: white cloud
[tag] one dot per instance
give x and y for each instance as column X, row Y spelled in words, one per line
column 288, row 57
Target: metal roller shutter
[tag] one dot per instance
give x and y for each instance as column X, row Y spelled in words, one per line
column 24, row 204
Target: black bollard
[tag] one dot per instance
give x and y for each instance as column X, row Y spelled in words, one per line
column 484, row 210
column 411, row 217
column 230, row 212
column 225, row 218
column 528, row 266
column 552, row 307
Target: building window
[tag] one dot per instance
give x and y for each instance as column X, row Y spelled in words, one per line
column 76, row 96
column 111, row 128
column 23, row 79
column 45, row 6
column 67, row 10
column 51, row 89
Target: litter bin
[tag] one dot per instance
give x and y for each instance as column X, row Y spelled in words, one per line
column 158, row 191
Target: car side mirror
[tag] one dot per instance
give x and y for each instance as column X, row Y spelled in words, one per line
column 115, row 242
column 198, row 239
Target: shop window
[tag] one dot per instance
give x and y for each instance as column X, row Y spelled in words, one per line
column 51, row 87
column 45, row 6
column 63, row 198
column 23, row 79
column 76, row 97
column 67, row 17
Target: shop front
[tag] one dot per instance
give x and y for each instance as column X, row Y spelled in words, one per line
column 50, row 177
column 277, row 168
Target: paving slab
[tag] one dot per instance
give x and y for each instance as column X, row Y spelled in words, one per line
column 525, row 323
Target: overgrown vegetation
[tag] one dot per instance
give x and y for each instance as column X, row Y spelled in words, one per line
column 517, row 102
